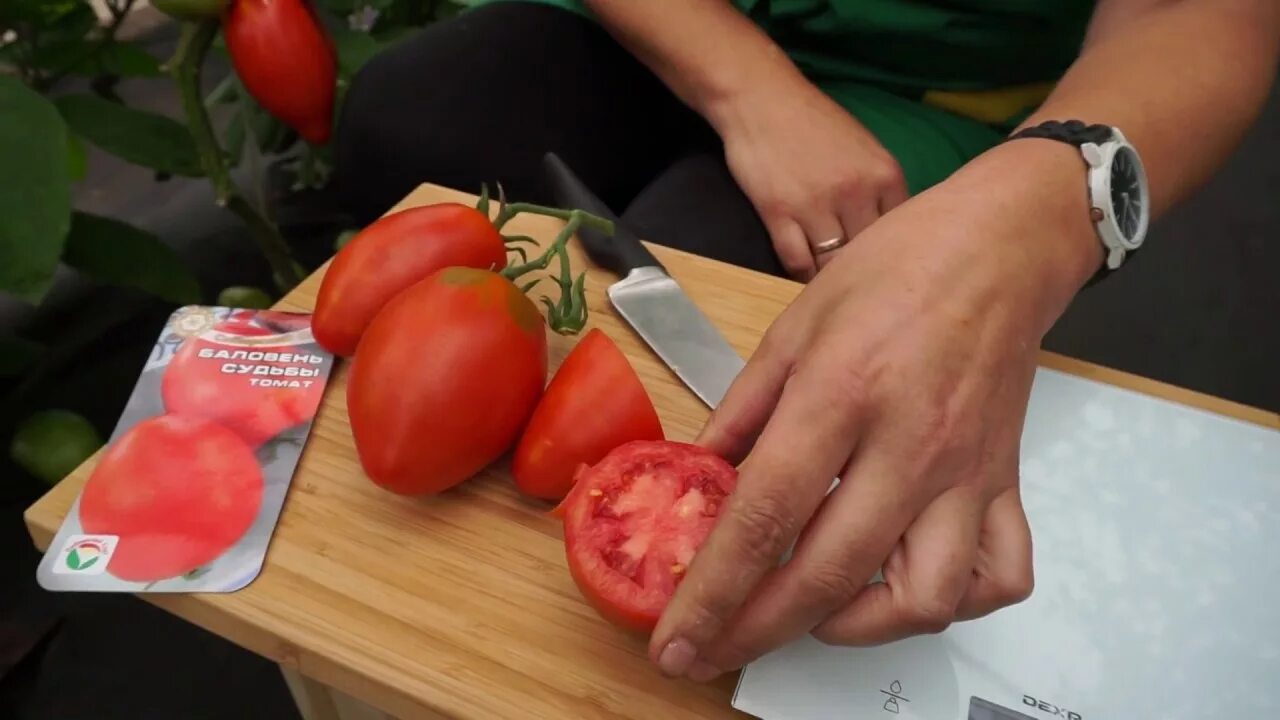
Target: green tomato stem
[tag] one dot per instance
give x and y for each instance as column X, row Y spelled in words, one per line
column 569, row 315
column 510, row 211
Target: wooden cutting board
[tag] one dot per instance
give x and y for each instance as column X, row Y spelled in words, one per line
column 461, row 605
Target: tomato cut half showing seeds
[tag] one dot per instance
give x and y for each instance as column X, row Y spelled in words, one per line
column 634, row 521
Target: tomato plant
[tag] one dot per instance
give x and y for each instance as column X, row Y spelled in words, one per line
column 444, row 379
column 634, row 521
column 393, row 253
column 177, row 491
column 285, row 59
column 205, row 379
column 594, row 403
column 191, row 9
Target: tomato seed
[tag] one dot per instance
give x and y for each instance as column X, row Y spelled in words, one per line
column 625, row 564
column 594, row 492
column 677, row 569
column 606, row 511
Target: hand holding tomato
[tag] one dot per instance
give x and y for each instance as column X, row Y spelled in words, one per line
column 909, row 381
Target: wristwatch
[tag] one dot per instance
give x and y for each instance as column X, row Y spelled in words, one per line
column 1119, row 205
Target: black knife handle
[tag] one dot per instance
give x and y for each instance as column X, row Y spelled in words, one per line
column 621, row 253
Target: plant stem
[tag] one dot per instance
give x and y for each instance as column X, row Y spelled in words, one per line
column 185, row 67
column 569, row 315
column 119, row 11
column 510, row 211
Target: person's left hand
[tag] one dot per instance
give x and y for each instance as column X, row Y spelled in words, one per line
column 905, row 369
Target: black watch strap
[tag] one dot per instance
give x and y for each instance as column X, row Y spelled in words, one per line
column 1074, row 132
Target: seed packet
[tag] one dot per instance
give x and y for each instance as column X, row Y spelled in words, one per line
column 186, row 495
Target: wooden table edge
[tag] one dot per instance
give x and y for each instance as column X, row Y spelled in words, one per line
column 302, row 666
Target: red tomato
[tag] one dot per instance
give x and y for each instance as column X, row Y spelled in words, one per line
column 284, row 58
column 178, row 491
column 257, row 407
column 393, row 253
column 445, row 377
column 634, row 521
column 595, row 403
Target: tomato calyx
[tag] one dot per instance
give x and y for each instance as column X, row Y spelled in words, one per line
column 568, row 315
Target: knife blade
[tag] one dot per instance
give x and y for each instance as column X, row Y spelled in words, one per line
column 648, row 298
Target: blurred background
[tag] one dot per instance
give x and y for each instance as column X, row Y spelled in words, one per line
column 109, row 220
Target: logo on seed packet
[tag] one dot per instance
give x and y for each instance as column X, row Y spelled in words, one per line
column 85, row 555
column 186, row 495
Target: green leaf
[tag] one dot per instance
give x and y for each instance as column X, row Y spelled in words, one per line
column 35, row 195
column 126, row 59
column 233, row 138
column 121, row 254
column 53, row 19
column 341, row 7
column 17, row 354
column 355, row 48
column 77, row 56
column 447, row 9
column 144, row 138
column 270, row 133
column 77, row 160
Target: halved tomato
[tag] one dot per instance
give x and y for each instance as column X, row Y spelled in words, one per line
column 633, row 522
column 594, row 403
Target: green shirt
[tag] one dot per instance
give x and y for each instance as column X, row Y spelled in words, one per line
column 913, row 46
column 937, row 81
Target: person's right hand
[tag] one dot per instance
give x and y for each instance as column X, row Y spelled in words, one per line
column 813, row 172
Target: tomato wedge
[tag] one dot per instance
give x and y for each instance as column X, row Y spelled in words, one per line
column 594, row 403
column 634, row 521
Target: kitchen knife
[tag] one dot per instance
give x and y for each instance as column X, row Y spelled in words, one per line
column 648, row 298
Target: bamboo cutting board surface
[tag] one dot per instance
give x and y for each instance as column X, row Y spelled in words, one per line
column 460, row 605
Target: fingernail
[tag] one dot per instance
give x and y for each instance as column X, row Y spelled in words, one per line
column 702, row 671
column 676, row 657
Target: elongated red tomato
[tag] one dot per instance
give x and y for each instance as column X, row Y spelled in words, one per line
column 634, row 521
column 594, row 403
column 286, row 61
column 444, row 378
column 393, row 253
column 178, row 491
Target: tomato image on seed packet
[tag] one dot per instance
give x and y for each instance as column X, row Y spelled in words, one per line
column 187, row 492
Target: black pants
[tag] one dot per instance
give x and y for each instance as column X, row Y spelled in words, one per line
column 481, row 98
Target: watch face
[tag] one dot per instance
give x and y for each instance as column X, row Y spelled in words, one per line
column 1127, row 197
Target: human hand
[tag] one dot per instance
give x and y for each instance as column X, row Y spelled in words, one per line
column 904, row 369
column 813, row 173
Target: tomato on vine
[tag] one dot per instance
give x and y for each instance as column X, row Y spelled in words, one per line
column 448, row 372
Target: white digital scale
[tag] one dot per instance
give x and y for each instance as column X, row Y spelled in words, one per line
column 1156, row 530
